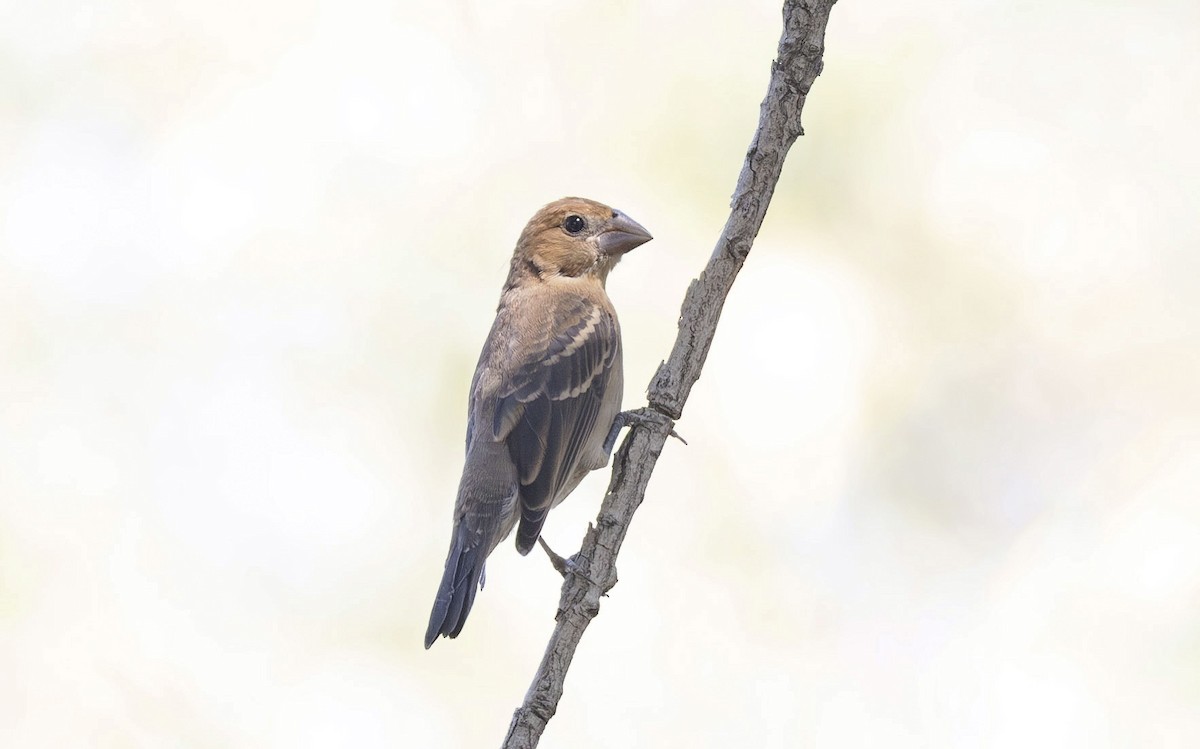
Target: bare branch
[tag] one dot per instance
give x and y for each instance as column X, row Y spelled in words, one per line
column 593, row 573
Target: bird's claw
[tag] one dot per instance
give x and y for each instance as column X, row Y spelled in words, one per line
column 561, row 565
column 636, row 416
column 566, row 565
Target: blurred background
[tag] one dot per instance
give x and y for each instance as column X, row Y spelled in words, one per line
column 941, row 487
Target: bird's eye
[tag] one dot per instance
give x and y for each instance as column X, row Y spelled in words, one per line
column 574, row 224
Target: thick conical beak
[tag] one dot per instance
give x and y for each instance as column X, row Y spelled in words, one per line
column 621, row 235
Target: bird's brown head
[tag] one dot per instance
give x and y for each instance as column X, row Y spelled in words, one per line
column 575, row 237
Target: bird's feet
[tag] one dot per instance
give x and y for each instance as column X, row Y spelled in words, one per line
column 561, row 564
column 566, row 565
column 637, row 416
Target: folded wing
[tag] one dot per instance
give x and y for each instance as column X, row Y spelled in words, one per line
column 550, row 408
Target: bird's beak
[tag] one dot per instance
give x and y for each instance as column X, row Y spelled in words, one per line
column 621, row 235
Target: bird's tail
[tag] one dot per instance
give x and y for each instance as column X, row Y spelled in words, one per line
column 462, row 578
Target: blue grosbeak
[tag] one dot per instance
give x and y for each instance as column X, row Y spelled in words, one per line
column 546, row 396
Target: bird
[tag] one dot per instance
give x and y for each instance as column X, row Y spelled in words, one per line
column 544, row 406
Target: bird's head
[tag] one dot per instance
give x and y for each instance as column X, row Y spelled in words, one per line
column 576, row 237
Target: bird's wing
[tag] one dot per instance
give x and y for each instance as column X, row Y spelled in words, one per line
column 550, row 404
